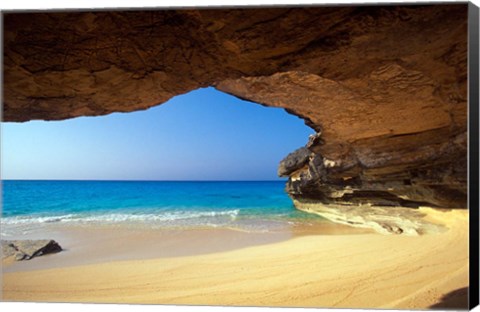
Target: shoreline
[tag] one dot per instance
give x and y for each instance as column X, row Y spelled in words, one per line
column 341, row 271
column 91, row 244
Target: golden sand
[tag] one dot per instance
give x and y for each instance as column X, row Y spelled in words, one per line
column 360, row 271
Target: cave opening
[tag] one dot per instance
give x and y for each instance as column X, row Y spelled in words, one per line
column 202, row 159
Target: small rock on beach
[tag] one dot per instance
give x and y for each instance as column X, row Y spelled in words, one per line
column 28, row 249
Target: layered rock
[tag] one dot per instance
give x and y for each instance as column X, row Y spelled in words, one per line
column 384, row 220
column 384, row 87
column 395, row 173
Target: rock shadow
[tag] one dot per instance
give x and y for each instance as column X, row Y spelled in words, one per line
column 455, row 300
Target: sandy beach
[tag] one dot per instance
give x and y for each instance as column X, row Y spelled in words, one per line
column 357, row 270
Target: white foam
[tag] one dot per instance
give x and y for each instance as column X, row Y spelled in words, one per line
column 30, row 219
column 164, row 217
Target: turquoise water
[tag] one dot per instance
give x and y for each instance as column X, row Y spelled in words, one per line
column 256, row 206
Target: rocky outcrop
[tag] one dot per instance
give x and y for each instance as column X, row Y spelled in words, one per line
column 435, row 174
column 294, row 162
column 384, row 87
column 28, row 249
column 384, row 220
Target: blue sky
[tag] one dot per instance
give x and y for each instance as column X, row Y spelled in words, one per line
column 202, row 135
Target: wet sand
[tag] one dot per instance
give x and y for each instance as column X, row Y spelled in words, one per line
column 89, row 244
column 366, row 270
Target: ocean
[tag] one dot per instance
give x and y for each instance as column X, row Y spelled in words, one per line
column 254, row 206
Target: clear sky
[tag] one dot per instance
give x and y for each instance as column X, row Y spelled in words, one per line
column 202, row 135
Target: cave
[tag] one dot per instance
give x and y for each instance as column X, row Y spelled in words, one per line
column 384, row 87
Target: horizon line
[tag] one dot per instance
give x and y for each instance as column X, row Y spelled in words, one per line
column 124, row 180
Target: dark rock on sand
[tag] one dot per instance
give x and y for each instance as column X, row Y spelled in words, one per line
column 28, row 249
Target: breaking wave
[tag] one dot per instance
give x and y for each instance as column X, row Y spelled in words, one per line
column 160, row 218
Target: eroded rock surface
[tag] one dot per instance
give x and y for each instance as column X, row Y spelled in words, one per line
column 28, row 249
column 384, row 220
column 384, row 87
column 294, row 162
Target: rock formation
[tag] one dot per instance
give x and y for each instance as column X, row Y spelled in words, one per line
column 384, row 220
column 28, row 249
column 384, row 87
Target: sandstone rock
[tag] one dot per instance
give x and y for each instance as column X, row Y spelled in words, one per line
column 384, row 220
column 28, row 249
column 385, row 87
